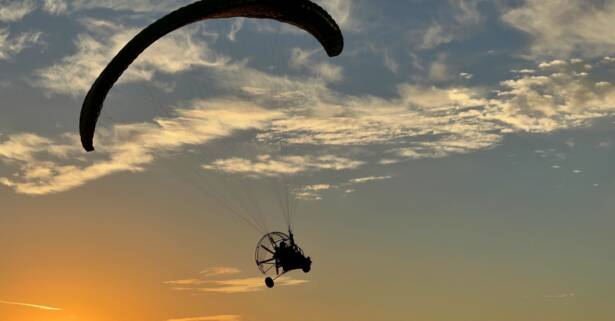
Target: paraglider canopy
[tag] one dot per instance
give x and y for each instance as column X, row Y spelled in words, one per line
column 301, row 13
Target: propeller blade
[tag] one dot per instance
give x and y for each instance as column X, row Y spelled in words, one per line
column 266, row 261
column 268, row 250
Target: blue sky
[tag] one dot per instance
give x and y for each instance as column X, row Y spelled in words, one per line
column 476, row 130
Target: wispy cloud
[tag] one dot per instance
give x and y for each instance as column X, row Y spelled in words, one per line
column 180, row 51
column 220, row 270
column 314, row 192
column 218, row 281
column 369, row 179
column 344, row 12
column 562, row 96
column 11, row 45
column 560, row 296
column 127, row 5
column 302, row 59
column 55, row 7
column 54, row 166
column 245, row 285
column 461, row 16
column 235, row 28
column 548, row 23
column 266, row 165
column 185, row 282
column 16, row 10
column 29, row 305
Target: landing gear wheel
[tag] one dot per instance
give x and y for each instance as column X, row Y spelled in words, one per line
column 269, row 282
column 306, row 269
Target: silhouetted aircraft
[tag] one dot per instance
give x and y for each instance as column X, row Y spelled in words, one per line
column 277, row 253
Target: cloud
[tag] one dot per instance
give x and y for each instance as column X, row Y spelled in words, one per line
column 318, row 187
column 235, row 28
column 11, row 45
column 246, row 285
column 266, row 165
column 552, row 64
column 34, row 306
column 369, row 179
column 228, row 285
column 48, row 166
column 55, row 7
column 435, row 35
column 565, row 28
column 390, row 63
column 226, row 317
column 301, row 59
column 419, row 122
column 128, row 5
column 343, row 11
column 466, row 76
column 220, row 270
column 603, row 84
column 16, row 10
column 364, row 120
column 461, row 16
column 553, row 100
column 217, row 271
column 466, row 11
column 185, row 282
column 22, row 147
column 524, row 71
column 314, row 192
column 605, row 144
column 560, row 296
column 177, row 52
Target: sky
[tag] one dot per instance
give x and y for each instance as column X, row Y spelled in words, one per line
column 455, row 163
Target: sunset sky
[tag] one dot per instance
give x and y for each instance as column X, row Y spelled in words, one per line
column 455, row 163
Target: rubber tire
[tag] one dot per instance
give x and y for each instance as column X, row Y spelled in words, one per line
column 306, row 269
column 269, row 282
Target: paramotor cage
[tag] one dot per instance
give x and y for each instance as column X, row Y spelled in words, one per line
column 265, row 254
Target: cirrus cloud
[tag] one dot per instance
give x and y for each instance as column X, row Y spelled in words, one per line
column 565, row 28
column 47, row 166
column 30, row 305
column 180, row 51
column 265, row 165
column 11, row 45
column 16, row 10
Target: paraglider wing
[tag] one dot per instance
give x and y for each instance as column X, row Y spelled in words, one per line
column 301, row 13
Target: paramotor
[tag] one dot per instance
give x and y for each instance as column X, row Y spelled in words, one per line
column 277, row 253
